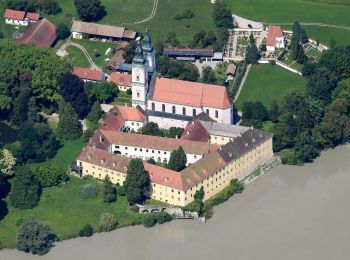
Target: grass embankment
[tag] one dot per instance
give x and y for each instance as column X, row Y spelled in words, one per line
column 62, row 207
column 267, row 82
column 77, row 58
column 307, row 11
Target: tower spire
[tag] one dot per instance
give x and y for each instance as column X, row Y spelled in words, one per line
column 139, row 57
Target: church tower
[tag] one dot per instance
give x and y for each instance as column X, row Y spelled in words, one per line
column 149, row 52
column 139, row 78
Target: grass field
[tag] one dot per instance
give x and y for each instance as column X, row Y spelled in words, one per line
column 62, row 208
column 312, row 11
column 77, row 58
column 267, row 82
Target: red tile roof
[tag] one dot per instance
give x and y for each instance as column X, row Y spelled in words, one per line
column 33, row 16
column 88, row 74
column 156, row 142
column 118, row 115
column 14, row 14
column 120, row 79
column 119, row 163
column 190, row 93
column 273, row 33
column 41, row 34
column 196, row 132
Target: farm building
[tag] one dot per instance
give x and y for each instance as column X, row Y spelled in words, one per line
column 192, row 54
column 21, row 18
column 101, row 31
column 86, row 75
column 41, row 34
column 275, row 38
column 122, row 80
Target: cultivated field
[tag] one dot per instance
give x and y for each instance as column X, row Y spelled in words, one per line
column 267, row 82
column 334, row 12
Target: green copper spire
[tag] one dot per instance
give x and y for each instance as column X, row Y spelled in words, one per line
column 139, row 57
column 147, row 43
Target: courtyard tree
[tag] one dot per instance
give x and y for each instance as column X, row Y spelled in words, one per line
column 94, row 116
column 69, row 126
column 303, row 36
column 25, row 189
column 137, row 183
column 178, row 159
column 34, row 237
column 208, row 75
column 222, row 15
column 88, row 10
column 252, row 56
column 301, row 58
column 198, row 201
column 102, row 92
column 109, row 191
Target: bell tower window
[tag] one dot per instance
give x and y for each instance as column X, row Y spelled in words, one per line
column 163, row 107
column 137, row 78
column 138, row 94
column 153, row 106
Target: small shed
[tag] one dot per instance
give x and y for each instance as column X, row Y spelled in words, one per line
column 231, row 71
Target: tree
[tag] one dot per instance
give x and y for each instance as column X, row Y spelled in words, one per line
column 49, row 6
column 69, row 127
column 88, row 10
column 252, row 55
column 294, row 47
column 20, row 107
column 198, row 200
column 151, row 128
column 108, row 222
column 5, row 97
column 301, row 58
column 320, row 85
column 86, row 231
column 94, row 116
column 274, row 112
column 33, row 111
column 34, row 237
column 208, row 75
column 222, row 15
column 306, row 148
column 109, row 191
column 73, row 91
column 251, row 39
column 25, row 190
column 4, row 186
column 137, row 183
column 102, row 92
column 48, row 175
column 7, row 162
column 254, row 111
column 171, row 39
column 178, row 160
column 3, row 209
column 151, row 161
column 129, row 52
column 297, row 31
column 62, row 31
column 332, row 44
column 175, row 132
column 303, row 36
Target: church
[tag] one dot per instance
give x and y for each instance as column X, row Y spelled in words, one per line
column 172, row 102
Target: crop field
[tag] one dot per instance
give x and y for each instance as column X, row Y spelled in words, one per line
column 268, row 82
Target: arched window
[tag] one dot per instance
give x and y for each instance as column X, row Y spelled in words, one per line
column 194, row 112
column 184, row 111
column 207, row 112
column 137, row 78
column 163, row 107
column 174, row 110
column 153, row 106
column 216, row 114
column 138, row 94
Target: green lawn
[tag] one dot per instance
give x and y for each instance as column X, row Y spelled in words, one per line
column 77, row 58
column 312, row 11
column 62, row 208
column 267, row 82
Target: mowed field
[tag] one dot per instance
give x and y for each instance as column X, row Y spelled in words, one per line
column 336, row 12
column 268, row 82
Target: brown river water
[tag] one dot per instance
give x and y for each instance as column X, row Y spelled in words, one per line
column 291, row 213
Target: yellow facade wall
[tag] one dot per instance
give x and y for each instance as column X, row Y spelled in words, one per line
column 236, row 169
column 220, row 140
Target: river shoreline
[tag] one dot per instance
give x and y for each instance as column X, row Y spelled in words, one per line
column 290, row 213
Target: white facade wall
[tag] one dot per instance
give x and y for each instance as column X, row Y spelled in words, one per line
column 25, row 22
column 133, row 125
column 280, row 42
column 220, row 115
column 147, row 153
column 270, row 48
column 166, row 123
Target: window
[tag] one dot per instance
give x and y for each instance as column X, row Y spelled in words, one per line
column 174, row 110
column 207, row 112
column 216, row 114
column 163, row 107
column 138, row 94
column 194, row 112
column 137, row 78
column 153, row 106
column 184, row 111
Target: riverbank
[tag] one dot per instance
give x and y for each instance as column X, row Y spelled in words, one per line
column 290, row 213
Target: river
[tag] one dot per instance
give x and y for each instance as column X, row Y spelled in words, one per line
column 290, row 213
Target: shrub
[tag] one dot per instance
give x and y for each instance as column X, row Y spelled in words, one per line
column 48, row 175
column 121, row 191
column 163, row 217
column 34, row 237
column 148, row 220
column 86, row 231
column 88, row 191
column 108, row 222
